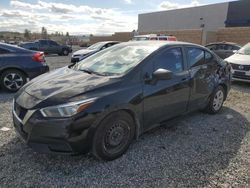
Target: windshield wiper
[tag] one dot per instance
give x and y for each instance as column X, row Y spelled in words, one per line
column 89, row 71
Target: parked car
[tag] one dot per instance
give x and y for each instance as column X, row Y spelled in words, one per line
column 223, row 49
column 240, row 63
column 110, row 98
column 47, row 46
column 18, row 65
column 154, row 37
column 81, row 54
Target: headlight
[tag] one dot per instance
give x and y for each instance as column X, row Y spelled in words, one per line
column 67, row 110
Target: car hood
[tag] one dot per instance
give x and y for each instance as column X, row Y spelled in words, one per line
column 63, row 84
column 84, row 52
column 239, row 59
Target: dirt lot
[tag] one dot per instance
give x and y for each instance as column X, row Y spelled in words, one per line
column 195, row 150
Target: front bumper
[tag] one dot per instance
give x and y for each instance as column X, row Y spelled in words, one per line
column 50, row 135
column 239, row 75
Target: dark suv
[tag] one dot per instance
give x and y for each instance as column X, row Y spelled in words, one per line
column 47, row 46
column 110, row 98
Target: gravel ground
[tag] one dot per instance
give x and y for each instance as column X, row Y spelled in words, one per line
column 195, row 150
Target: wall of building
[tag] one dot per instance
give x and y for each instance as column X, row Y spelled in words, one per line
column 119, row 36
column 188, row 35
column 239, row 35
column 209, row 17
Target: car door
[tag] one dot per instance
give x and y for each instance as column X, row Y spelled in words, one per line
column 44, row 47
column 53, row 47
column 164, row 99
column 203, row 67
column 4, row 54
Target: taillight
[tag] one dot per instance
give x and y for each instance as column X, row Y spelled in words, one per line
column 38, row 57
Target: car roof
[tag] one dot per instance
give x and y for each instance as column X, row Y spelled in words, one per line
column 154, row 35
column 108, row 42
column 13, row 47
column 229, row 43
column 162, row 43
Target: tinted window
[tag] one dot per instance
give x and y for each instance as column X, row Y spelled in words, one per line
column 211, row 47
column 231, row 47
column 109, row 44
column 163, row 38
column 3, row 51
column 195, row 56
column 221, row 47
column 171, row 59
column 53, row 43
column 43, row 42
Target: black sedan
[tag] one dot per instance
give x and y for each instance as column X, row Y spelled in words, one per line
column 223, row 49
column 18, row 65
column 110, row 98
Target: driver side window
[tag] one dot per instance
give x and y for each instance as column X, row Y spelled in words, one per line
column 170, row 59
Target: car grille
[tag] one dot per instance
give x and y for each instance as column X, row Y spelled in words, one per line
column 20, row 111
column 241, row 76
column 240, row 67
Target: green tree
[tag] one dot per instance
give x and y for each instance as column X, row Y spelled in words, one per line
column 27, row 34
column 67, row 34
column 44, row 33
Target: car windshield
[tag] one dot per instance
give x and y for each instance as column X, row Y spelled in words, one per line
column 245, row 50
column 116, row 60
column 96, row 46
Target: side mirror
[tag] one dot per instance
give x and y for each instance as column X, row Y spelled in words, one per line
column 162, row 74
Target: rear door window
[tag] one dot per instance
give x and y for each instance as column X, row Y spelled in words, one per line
column 196, row 56
column 43, row 42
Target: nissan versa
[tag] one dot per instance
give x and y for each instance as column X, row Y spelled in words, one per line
column 110, row 98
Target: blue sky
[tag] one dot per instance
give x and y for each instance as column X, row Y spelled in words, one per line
column 83, row 16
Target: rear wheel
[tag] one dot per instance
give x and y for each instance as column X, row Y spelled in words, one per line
column 113, row 136
column 216, row 101
column 12, row 80
column 65, row 52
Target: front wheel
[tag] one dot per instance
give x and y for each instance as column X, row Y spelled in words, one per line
column 216, row 101
column 12, row 80
column 113, row 136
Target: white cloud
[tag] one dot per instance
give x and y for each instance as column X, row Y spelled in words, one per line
column 167, row 5
column 61, row 17
column 128, row 1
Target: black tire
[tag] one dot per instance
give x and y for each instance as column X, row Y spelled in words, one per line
column 217, row 95
column 113, row 136
column 65, row 52
column 12, row 80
